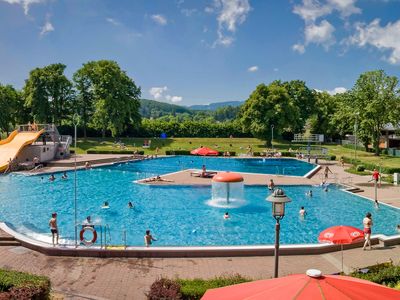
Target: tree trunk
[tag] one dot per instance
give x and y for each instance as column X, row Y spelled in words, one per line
column 84, row 131
column 103, row 133
column 377, row 140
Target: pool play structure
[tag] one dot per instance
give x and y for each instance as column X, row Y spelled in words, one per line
column 40, row 141
column 186, row 220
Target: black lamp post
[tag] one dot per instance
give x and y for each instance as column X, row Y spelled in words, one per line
column 278, row 200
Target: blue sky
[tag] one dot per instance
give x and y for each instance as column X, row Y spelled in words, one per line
column 196, row 52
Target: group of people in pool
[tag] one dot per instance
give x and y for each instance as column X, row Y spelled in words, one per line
column 106, row 205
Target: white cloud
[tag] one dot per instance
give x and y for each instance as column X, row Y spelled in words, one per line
column 159, row 19
column 231, row 13
column 113, row 21
column 299, row 48
column 338, row 90
column 188, row 12
column 174, row 99
column 24, row 3
column 346, row 8
column 253, row 69
column 158, row 94
column 311, row 10
column 385, row 38
column 321, row 34
column 276, row 69
column 47, row 28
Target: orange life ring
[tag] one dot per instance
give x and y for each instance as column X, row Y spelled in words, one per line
column 88, row 242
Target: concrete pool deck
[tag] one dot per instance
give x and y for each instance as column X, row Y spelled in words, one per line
column 130, row 278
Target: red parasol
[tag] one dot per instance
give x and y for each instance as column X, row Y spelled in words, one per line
column 341, row 235
column 204, row 151
column 301, row 287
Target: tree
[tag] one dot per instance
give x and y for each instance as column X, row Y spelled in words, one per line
column 303, row 98
column 266, row 106
column 48, row 93
column 322, row 121
column 8, row 106
column 374, row 101
column 106, row 90
column 84, row 99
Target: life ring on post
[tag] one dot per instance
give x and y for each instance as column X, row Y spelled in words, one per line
column 88, row 242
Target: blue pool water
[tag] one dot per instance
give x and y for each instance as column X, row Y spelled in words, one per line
column 177, row 216
column 164, row 165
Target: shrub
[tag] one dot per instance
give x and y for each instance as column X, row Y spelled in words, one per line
column 387, row 274
column 164, row 288
column 113, row 152
column 333, row 157
column 256, row 153
column 288, row 154
column 360, row 168
column 177, row 152
column 195, row 288
column 19, row 285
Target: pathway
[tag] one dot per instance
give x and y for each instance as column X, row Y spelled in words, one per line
column 130, row 278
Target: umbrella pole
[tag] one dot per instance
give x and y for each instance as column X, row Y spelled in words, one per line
column 342, row 256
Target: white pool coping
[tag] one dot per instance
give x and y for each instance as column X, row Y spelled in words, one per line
column 202, row 251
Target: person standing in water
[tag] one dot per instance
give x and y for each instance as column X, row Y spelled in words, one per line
column 148, row 238
column 54, row 228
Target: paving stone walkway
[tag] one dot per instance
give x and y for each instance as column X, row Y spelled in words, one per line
column 130, row 278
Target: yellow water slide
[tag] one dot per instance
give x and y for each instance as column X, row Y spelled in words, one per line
column 13, row 144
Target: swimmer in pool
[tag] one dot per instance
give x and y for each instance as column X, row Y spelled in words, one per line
column 105, row 205
column 226, row 216
column 130, row 205
column 309, row 193
column 302, row 212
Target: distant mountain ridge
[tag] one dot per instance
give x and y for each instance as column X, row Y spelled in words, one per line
column 155, row 109
column 216, row 105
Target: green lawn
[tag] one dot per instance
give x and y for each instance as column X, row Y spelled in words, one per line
column 237, row 145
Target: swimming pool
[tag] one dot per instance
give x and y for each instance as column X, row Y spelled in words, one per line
column 284, row 166
column 176, row 215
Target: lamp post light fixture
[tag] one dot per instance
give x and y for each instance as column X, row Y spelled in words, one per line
column 278, row 200
column 75, row 121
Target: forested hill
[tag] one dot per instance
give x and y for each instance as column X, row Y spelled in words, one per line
column 155, row 109
column 216, row 105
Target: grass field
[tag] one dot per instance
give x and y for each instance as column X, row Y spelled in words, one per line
column 237, row 145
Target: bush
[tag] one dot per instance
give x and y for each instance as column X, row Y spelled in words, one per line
column 19, row 285
column 333, row 157
column 256, row 153
column 164, row 288
column 113, row 152
column 360, row 168
column 195, row 288
column 177, row 152
column 288, row 154
column 386, row 274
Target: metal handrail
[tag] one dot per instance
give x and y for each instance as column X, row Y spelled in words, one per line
column 35, row 127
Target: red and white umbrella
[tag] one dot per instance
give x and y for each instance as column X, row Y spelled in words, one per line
column 204, row 151
column 313, row 286
column 341, row 235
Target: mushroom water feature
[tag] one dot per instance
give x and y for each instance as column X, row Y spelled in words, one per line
column 227, row 190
